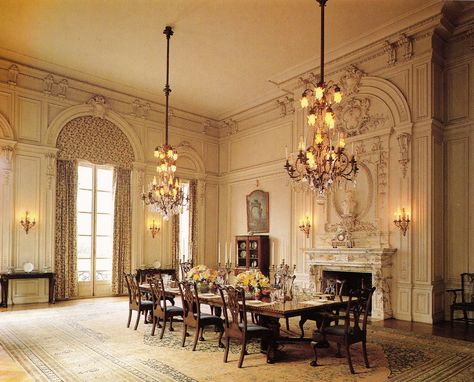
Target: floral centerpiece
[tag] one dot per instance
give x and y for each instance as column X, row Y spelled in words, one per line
column 253, row 282
column 204, row 277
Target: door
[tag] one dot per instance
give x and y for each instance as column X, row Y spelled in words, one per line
column 95, row 221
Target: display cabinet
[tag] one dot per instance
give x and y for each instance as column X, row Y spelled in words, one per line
column 252, row 252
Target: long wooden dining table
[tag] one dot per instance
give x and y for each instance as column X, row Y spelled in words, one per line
column 270, row 313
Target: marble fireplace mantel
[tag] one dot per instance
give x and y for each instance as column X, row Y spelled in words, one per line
column 377, row 261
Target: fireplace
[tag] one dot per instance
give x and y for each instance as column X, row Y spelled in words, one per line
column 371, row 266
column 352, row 280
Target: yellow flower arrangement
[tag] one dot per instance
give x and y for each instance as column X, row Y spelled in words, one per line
column 201, row 274
column 253, row 281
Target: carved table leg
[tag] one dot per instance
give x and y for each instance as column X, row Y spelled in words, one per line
column 52, row 290
column 4, row 285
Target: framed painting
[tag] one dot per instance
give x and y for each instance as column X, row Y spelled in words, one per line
column 258, row 214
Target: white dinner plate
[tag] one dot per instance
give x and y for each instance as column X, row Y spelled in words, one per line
column 28, row 267
column 157, row 264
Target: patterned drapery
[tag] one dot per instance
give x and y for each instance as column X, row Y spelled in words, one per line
column 96, row 140
column 65, row 248
column 122, row 229
column 193, row 222
column 175, row 260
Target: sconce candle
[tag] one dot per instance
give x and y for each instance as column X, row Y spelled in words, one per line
column 154, row 229
column 26, row 223
column 305, row 226
column 402, row 220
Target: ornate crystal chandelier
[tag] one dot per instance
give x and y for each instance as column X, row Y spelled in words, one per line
column 324, row 161
column 165, row 194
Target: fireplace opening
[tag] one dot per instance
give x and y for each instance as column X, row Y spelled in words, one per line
column 352, row 280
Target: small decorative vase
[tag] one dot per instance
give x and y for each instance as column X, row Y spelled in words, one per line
column 249, row 295
column 203, row 288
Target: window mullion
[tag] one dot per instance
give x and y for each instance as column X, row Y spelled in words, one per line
column 94, row 223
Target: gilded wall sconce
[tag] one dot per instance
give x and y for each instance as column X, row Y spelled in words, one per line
column 154, row 229
column 27, row 223
column 305, row 226
column 402, row 220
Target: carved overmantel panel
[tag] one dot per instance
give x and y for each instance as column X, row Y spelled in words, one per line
column 361, row 207
column 377, row 261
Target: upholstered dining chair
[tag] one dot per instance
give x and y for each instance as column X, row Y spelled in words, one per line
column 236, row 325
column 161, row 310
column 466, row 294
column 135, row 300
column 192, row 315
column 352, row 331
column 331, row 287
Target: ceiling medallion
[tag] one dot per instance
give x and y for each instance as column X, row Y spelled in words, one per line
column 324, row 161
column 165, row 194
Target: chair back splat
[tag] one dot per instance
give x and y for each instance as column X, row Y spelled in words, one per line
column 236, row 310
column 190, row 301
column 185, row 268
column 158, row 297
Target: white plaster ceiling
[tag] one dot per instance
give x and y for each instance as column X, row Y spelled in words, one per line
column 222, row 54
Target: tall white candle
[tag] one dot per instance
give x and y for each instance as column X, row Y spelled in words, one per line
column 230, row 252
column 286, row 152
column 225, row 252
column 273, row 253
column 219, row 252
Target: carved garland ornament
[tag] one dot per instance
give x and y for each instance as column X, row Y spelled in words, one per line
column 354, row 117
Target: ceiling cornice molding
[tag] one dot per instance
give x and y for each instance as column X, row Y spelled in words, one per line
column 30, row 81
column 37, row 70
column 415, row 24
column 411, row 23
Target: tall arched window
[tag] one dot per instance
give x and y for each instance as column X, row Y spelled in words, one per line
column 93, row 211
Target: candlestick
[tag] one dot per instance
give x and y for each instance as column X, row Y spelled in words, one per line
column 219, row 252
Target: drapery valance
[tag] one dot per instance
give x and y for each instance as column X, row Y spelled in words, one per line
column 96, row 140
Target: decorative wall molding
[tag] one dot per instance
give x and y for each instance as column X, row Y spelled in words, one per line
column 469, row 36
column 140, row 109
column 50, row 168
column 48, row 83
column 186, row 150
column 6, row 161
column 12, row 77
column 286, row 105
column 6, row 131
column 206, row 125
column 99, row 106
column 231, row 126
column 354, row 117
column 350, row 80
column 63, row 86
column 403, row 143
column 406, row 44
column 390, row 49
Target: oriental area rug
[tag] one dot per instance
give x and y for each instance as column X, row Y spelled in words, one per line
column 87, row 340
